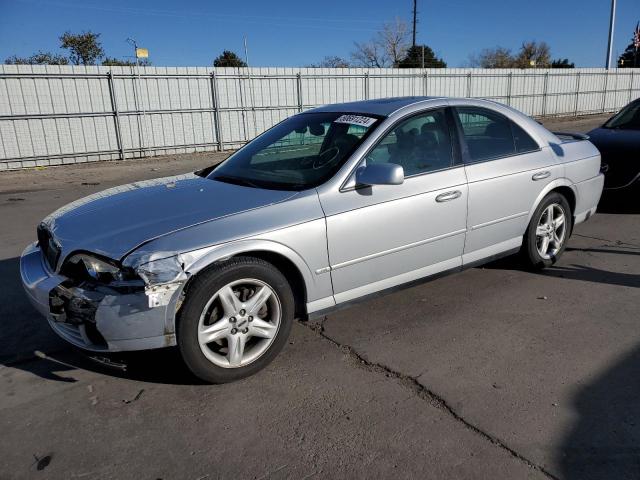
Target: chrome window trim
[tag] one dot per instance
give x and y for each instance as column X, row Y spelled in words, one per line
column 502, row 157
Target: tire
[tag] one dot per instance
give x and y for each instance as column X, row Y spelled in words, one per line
column 220, row 346
column 534, row 243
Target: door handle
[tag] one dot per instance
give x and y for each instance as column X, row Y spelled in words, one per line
column 448, row 196
column 540, row 175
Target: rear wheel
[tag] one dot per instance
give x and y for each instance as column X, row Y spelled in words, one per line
column 548, row 232
column 235, row 320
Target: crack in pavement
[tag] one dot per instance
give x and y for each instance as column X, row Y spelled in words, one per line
column 617, row 242
column 423, row 393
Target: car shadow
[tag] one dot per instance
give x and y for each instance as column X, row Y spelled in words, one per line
column 604, row 441
column 28, row 343
column 575, row 272
column 591, row 274
column 627, row 251
column 622, row 202
column 512, row 262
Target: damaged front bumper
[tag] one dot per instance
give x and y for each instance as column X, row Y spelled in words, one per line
column 99, row 318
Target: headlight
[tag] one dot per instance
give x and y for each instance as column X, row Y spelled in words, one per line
column 165, row 270
column 96, row 268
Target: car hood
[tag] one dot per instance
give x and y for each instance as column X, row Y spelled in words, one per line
column 118, row 220
column 614, row 140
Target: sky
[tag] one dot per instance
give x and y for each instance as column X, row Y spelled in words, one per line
column 298, row 33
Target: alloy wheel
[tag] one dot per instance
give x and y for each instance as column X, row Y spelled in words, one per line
column 551, row 231
column 239, row 323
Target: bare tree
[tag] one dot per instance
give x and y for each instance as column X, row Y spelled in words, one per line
column 533, row 54
column 498, row 57
column 331, row 61
column 394, row 37
column 386, row 48
column 369, row 54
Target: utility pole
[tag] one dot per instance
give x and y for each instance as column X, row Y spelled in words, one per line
column 612, row 20
column 415, row 16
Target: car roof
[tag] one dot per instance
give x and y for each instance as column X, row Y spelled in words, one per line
column 379, row 106
column 388, row 106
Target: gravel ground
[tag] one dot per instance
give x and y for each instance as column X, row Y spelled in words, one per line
column 490, row 373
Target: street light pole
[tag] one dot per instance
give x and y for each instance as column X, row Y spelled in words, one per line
column 142, row 123
column 612, row 20
column 415, row 20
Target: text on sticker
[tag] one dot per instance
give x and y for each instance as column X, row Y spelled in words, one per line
column 356, row 120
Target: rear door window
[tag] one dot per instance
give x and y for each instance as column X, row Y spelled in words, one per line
column 489, row 135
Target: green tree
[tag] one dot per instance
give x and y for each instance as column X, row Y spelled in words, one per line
column 630, row 58
column 419, row 56
column 562, row 63
column 84, row 48
column 117, row 62
column 40, row 58
column 228, row 59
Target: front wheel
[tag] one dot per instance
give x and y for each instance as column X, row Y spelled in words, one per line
column 548, row 232
column 235, row 319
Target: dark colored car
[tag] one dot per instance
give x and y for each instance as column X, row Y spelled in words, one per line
column 619, row 143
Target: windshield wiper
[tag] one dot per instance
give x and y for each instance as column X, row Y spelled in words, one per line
column 236, row 181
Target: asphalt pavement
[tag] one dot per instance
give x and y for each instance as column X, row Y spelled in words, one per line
column 494, row 373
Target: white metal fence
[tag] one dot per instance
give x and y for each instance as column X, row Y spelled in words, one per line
column 50, row 115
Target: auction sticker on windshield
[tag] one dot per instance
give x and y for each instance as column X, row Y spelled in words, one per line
column 355, row 120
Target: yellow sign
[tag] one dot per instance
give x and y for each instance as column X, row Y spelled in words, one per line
column 142, row 53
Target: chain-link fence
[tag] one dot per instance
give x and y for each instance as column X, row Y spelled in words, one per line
column 51, row 115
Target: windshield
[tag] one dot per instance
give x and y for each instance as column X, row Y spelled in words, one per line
column 299, row 153
column 627, row 118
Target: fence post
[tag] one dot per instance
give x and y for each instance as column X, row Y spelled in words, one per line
column 469, row 85
column 604, row 92
column 544, row 93
column 299, row 84
column 631, row 86
column 366, row 85
column 116, row 113
column 426, row 83
column 509, row 81
column 216, row 109
column 575, row 110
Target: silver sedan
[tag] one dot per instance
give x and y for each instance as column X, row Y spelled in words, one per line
column 324, row 209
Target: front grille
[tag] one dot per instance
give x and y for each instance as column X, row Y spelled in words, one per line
column 50, row 249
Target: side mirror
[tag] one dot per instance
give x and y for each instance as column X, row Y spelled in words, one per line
column 380, row 174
